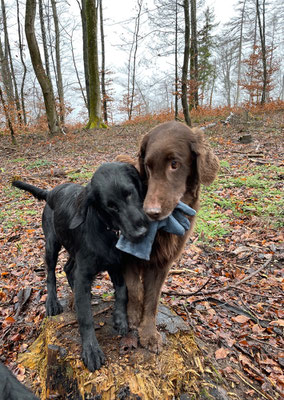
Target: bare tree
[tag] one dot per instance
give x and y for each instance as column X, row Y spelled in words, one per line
column 185, row 63
column 132, row 59
column 103, row 78
column 8, row 54
column 193, row 58
column 44, row 81
column 20, row 37
column 262, row 34
column 44, row 39
column 59, row 80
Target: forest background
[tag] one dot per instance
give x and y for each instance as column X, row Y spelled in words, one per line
column 161, row 52
column 172, row 61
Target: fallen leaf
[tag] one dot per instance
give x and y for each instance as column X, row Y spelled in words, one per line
column 241, row 319
column 221, row 353
column 279, row 322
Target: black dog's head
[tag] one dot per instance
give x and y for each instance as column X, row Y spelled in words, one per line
column 117, row 193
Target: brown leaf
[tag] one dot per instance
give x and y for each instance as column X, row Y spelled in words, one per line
column 241, row 319
column 221, row 353
column 279, row 322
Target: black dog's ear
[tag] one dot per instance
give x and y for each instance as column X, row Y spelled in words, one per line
column 141, row 156
column 137, row 181
column 83, row 202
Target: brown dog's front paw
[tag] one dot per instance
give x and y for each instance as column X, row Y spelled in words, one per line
column 150, row 339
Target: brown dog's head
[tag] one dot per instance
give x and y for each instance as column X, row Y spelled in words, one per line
column 174, row 160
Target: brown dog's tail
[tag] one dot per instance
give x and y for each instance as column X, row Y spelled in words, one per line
column 38, row 193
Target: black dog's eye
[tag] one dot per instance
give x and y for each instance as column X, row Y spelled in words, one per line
column 113, row 207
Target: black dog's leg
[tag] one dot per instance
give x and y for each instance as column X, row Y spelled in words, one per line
column 52, row 248
column 11, row 388
column 69, row 271
column 120, row 308
column 92, row 355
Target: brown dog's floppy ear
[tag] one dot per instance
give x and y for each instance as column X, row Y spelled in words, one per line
column 141, row 156
column 84, row 200
column 207, row 161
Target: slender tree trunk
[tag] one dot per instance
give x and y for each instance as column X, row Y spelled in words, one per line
column 44, row 81
column 6, row 75
column 95, row 117
column 176, row 61
column 23, row 64
column 77, row 73
column 59, row 80
column 44, row 40
column 240, row 54
column 193, row 58
column 103, row 62
column 7, row 116
column 85, row 52
column 261, row 25
column 8, row 52
column 185, row 64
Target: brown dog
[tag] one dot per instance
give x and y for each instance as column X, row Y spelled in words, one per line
column 173, row 161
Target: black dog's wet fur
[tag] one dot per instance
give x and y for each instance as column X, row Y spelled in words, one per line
column 11, row 388
column 84, row 221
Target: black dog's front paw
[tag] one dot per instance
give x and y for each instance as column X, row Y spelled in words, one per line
column 92, row 356
column 120, row 323
column 53, row 307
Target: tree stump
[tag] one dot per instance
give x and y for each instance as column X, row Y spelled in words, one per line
column 176, row 373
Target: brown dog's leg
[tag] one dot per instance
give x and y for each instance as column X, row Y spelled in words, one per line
column 135, row 295
column 149, row 337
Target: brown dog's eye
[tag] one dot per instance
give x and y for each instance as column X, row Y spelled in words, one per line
column 174, row 164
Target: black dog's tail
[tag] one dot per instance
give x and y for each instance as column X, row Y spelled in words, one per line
column 38, row 193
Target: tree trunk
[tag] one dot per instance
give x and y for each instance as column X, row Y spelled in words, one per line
column 95, row 116
column 23, row 64
column 6, row 75
column 44, row 40
column 176, row 61
column 7, row 116
column 261, row 26
column 103, row 62
column 85, row 52
column 9, row 56
column 240, row 55
column 193, row 58
column 42, row 78
column 185, row 64
column 59, row 79
column 130, row 372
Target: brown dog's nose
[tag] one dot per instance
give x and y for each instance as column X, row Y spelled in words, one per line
column 153, row 212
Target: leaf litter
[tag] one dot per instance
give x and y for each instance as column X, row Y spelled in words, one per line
column 228, row 283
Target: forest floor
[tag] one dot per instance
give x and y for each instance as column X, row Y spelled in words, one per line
column 228, row 284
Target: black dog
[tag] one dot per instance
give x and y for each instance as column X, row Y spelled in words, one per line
column 11, row 388
column 85, row 221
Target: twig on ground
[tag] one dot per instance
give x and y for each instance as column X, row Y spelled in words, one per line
column 174, row 293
